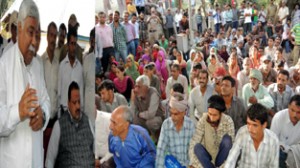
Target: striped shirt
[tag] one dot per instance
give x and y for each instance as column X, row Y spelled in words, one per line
column 267, row 154
column 119, row 37
column 174, row 143
column 296, row 31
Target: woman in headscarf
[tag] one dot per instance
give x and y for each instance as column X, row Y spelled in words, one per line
column 199, row 58
column 213, row 65
column 131, row 67
column 190, row 61
column 144, row 61
column 182, row 64
column 233, row 66
column 123, row 83
column 161, row 67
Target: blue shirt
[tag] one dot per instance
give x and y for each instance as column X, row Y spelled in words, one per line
column 136, row 151
column 174, row 143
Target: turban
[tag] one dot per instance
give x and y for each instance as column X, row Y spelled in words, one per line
column 178, row 102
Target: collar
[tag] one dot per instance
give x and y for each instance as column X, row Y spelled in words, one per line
column 67, row 61
column 184, row 126
column 265, row 139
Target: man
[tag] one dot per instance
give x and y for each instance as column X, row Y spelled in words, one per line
column 296, row 50
column 130, row 144
column 169, row 24
column 254, row 92
column 243, row 76
column 270, row 49
column 146, row 106
column 254, row 145
column 176, row 77
column 194, row 74
column 269, row 74
column 241, row 14
column 199, row 96
column 154, row 26
column 62, row 32
column 228, row 17
column 176, row 132
column 136, row 29
column 130, row 34
column 119, row 38
column 89, row 79
column 110, row 100
column 235, row 19
column 286, row 126
column 280, row 91
column 234, row 106
column 104, row 35
column 248, row 20
column 214, row 135
column 70, row 69
column 283, row 13
column 24, row 101
column 72, row 139
column 143, row 35
column 217, row 19
column 271, row 11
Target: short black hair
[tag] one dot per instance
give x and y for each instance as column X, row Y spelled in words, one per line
column 63, row 27
column 296, row 99
column 106, row 84
column 176, row 66
column 73, row 86
column 150, row 66
column 51, row 24
column 258, row 112
column 72, row 32
column 285, row 73
column 205, row 72
column 177, row 87
column 230, row 79
column 133, row 15
column 197, row 66
column 216, row 102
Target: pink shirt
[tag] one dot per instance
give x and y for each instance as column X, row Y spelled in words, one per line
column 106, row 35
column 130, row 31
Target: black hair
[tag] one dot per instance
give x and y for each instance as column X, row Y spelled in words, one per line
column 106, row 84
column 216, row 102
column 52, row 24
column 285, row 73
column 176, row 66
column 72, row 32
column 177, row 87
column 149, row 66
column 63, row 27
column 133, row 14
column 73, row 86
column 258, row 112
column 197, row 66
column 296, row 99
column 121, row 67
column 205, row 72
column 230, row 79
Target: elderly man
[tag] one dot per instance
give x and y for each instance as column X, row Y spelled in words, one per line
column 130, row 144
column 24, row 101
column 280, row 91
column 286, row 126
column 213, row 138
column 72, row 139
column 269, row 74
column 199, row 96
column 235, row 107
column 254, row 92
column 254, row 145
column 146, row 106
column 176, row 132
column 110, row 100
column 70, row 69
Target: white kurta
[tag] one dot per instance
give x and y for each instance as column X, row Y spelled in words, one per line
column 19, row 145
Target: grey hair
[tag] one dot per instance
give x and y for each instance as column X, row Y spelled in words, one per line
column 144, row 79
column 127, row 114
column 28, row 8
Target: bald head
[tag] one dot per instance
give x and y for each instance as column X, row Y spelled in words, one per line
column 120, row 120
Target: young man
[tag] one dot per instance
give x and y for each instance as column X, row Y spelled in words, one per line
column 254, row 146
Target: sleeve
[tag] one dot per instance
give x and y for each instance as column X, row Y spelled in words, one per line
column 152, row 109
column 267, row 99
column 149, row 155
column 9, row 115
column 197, row 138
column 53, row 146
column 45, row 100
column 191, row 106
column 235, row 151
column 162, row 147
column 168, row 88
column 274, row 162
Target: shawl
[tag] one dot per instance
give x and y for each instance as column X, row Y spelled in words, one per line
column 121, row 85
column 161, row 67
column 132, row 70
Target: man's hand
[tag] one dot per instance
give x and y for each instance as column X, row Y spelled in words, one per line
column 252, row 100
column 28, row 101
column 36, row 122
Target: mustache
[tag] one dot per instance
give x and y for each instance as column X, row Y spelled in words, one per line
column 31, row 48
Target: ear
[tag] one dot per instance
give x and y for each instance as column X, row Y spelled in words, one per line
column 265, row 124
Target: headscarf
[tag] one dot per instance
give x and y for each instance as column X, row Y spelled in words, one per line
column 132, row 70
column 161, row 67
column 254, row 73
column 178, row 102
column 121, row 85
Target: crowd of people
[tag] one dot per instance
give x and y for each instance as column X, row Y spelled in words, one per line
column 231, row 100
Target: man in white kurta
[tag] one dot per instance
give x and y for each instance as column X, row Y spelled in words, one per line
column 24, row 102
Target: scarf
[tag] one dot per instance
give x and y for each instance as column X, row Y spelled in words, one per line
column 132, row 70
column 121, row 85
column 161, row 67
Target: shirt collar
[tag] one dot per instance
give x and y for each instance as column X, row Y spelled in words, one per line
column 184, row 126
column 67, row 60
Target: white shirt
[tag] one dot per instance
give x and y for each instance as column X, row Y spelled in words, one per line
column 248, row 18
column 8, row 46
column 171, row 81
column 89, row 85
column 287, row 133
column 136, row 29
column 177, row 18
column 19, row 145
column 53, row 146
column 66, row 75
column 282, row 12
column 51, row 80
column 263, row 16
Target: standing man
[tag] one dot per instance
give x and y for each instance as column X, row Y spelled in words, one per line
column 70, row 69
column 62, row 32
column 271, row 11
column 169, row 24
column 130, row 144
column 130, row 33
column 119, row 38
column 134, row 22
column 24, row 101
column 248, row 20
column 286, row 126
column 104, row 35
column 254, row 145
column 213, row 137
column 176, row 77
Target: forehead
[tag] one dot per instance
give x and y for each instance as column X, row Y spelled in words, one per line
column 32, row 22
column 75, row 94
column 251, row 122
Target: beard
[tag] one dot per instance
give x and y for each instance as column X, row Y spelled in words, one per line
column 213, row 123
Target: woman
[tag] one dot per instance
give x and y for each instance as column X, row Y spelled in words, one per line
column 280, row 59
column 161, row 67
column 144, row 61
column 112, row 73
column 233, row 66
column 213, row 65
column 124, row 84
column 182, row 64
column 131, row 67
column 199, row 58
column 189, row 62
